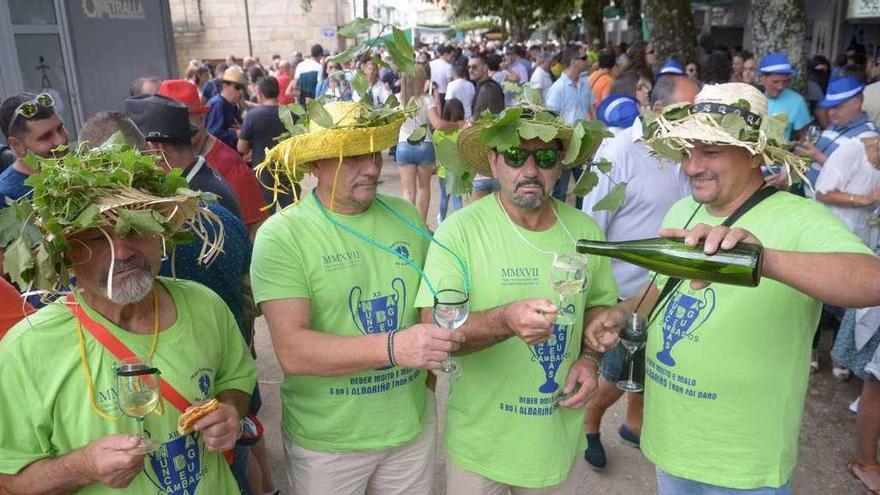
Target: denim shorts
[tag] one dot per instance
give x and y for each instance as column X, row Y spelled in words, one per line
column 668, row 484
column 486, row 185
column 415, row 154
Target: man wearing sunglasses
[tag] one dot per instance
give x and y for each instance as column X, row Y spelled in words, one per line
column 519, row 357
column 224, row 118
column 30, row 124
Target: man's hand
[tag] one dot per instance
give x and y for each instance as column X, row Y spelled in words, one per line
column 810, row 149
column 530, row 319
column 582, row 377
column 220, row 429
column 714, row 238
column 779, row 180
column 425, row 345
column 112, row 460
column 603, row 330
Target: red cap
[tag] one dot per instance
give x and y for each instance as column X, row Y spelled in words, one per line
column 185, row 92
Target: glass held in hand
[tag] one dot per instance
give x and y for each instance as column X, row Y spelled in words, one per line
column 568, row 274
column 137, row 394
column 812, row 134
column 632, row 338
column 451, row 309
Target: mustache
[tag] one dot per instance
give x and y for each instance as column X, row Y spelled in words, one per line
column 127, row 264
column 704, row 176
column 530, row 181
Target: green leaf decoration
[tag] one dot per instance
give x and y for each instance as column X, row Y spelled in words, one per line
column 356, row 27
column 743, row 104
column 86, row 217
column 574, row 146
column 319, row 115
column 613, row 199
column 348, row 54
column 286, row 117
column 392, row 102
column 379, row 62
column 733, row 124
column 532, row 130
column 586, row 183
column 504, row 132
column 531, row 95
column 115, row 139
column 18, row 262
column 418, row 135
column 403, row 54
column 359, row 83
column 603, row 165
column 677, row 111
column 45, row 273
column 142, row 222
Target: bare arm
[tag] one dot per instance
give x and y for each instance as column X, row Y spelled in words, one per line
column 290, row 92
column 850, row 280
column 305, row 351
column 841, row 198
column 437, row 122
column 481, row 330
column 109, row 461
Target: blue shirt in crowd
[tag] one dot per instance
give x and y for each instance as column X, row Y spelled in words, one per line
column 571, row 101
column 222, row 115
column 792, row 104
column 12, row 185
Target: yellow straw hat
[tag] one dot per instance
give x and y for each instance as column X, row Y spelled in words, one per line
column 286, row 162
column 474, row 147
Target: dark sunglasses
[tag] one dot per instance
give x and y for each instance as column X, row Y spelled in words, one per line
column 238, row 87
column 545, row 158
column 28, row 109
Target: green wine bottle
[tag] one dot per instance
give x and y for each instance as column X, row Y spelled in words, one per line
column 738, row 266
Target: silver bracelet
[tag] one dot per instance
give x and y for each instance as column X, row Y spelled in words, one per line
column 594, row 357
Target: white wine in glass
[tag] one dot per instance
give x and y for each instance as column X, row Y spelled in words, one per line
column 137, row 394
column 568, row 274
column 451, row 309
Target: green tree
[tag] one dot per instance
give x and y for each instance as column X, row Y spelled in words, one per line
column 780, row 25
column 591, row 12
column 671, row 23
column 520, row 17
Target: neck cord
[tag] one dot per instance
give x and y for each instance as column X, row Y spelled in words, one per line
column 85, row 363
column 405, row 259
column 526, row 241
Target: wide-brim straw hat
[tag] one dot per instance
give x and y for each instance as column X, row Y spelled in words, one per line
column 732, row 114
column 234, row 75
column 289, row 160
column 475, row 152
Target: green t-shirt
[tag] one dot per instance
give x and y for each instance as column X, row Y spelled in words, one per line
column 46, row 408
column 502, row 421
column 354, row 288
column 727, row 366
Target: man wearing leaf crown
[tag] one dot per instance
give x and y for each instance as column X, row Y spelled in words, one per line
column 515, row 414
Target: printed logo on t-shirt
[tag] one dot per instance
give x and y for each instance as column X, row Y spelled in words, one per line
column 549, row 356
column 520, row 275
column 175, row 468
column 378, row 312
column 203, row 378
column 682, row 318
column 403, row 249
column 107, row 400
column 341, row 260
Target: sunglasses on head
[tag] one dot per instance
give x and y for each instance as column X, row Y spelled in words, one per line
column 28, row 109
column 545, row 158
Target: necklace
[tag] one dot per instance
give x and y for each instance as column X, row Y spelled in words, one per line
column 522, row 237
column 85, row 363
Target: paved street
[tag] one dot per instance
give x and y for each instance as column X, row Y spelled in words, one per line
column 827, row 433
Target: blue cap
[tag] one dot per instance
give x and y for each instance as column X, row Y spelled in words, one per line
column 840, row 90
column 775, row 63
column 618, row 110
column 670, row 67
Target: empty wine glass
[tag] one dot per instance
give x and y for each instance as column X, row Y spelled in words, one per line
column 568, row 274
column 451, row 309
column 632, row 338
column 813, row 133
column 137, row 387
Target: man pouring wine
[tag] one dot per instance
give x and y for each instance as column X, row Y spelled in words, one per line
column 727, row 366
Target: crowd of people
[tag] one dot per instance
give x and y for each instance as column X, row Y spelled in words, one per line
column 350, row 280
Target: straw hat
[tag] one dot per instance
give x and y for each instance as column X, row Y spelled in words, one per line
column 474, row 148
column 113, row 188
column 234, row 75
column 287, row 162
column 733, row 114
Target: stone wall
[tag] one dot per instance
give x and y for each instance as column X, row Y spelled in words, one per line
column 214, row 29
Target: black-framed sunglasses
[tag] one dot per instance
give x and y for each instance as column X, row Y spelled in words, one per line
column 28, row 109
column 545, row 158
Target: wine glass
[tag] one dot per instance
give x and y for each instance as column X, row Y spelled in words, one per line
column 451, row 309
column 632, row 338
column 813, row 133
column 568, row 274
column 137, row 387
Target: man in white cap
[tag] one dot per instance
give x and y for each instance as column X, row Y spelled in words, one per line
column 727, row 367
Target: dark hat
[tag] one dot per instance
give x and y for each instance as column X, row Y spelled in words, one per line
column 160, row 118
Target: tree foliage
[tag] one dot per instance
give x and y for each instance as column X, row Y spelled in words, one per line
column 520, row 17
column 780, row 25
column 672, row 29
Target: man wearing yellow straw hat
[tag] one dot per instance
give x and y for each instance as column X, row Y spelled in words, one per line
column 124, row 343
column 515, row 415
column 336, row 275
column 727, row 367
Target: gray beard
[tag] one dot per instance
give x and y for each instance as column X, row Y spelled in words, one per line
column 131, row 289
column 529, row 203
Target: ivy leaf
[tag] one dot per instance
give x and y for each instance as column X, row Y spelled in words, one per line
column 45, row 275
column 319, row 115
column 531, row 130
column 603, row 165
column 356, row 27
column 586, row 183
column 418, row 135
column 297, row 109
column 18, row 262
column 286, row 117
column 11, row 219
column 140, row 221
column 613, row 199
column 503, row 133
column 359, row 83
column 574, row 145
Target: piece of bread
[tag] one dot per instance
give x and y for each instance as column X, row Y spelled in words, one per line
column 188, row 419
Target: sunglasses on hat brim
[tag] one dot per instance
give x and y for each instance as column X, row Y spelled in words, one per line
column 545, row 158
column 28, row 109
